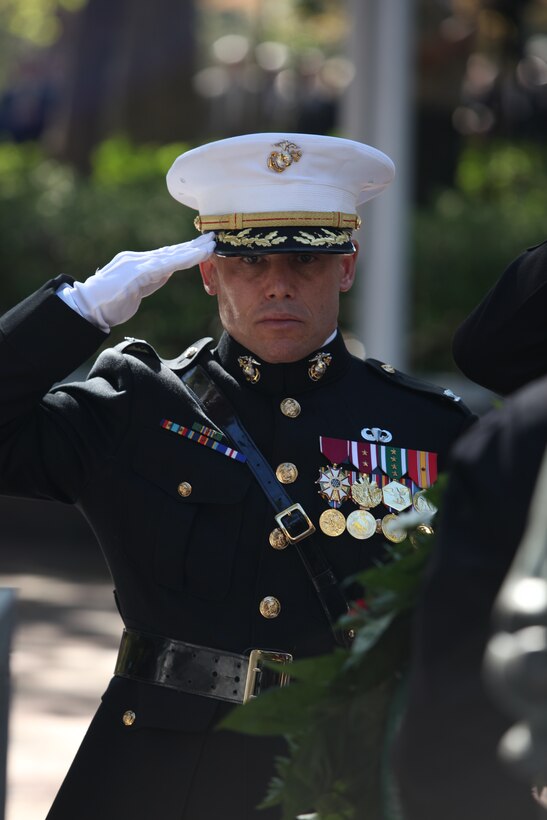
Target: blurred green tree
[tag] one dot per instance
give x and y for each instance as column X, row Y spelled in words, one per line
column 130, row 69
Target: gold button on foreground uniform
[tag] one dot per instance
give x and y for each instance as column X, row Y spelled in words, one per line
column 129, row 718
column 278, row 540
column 290, row 408
column 270, row 607
column 286, row 473
column 184, row 489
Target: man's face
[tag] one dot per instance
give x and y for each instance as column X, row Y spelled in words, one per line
column 281, row 306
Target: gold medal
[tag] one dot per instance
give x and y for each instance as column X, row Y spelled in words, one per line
column 421, row 502
column 361, row 524
column 332, row 522
column 390, row 531
column 397, row 496
column 366, row 493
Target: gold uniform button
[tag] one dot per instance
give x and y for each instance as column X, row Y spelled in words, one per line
column 184, row 489
column 278, row 540
column 270, row 607
column 129, row 718
column 290, row 408
column 286, row 473
column 421, row 529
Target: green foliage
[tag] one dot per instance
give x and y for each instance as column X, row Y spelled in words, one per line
column 35, row 21
column 52, row 221
column 341, row 708
column 299, row 24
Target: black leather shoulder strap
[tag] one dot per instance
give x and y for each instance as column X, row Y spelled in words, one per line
column 140, row 347
column 194, row 352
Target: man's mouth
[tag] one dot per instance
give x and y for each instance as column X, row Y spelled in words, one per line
column 279, row 318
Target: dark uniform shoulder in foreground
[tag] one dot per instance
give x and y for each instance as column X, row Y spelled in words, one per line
column 447, row 756
column 502, row 344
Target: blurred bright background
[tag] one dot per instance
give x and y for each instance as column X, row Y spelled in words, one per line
column 97, row 98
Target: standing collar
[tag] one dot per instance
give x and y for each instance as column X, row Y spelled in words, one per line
column 287, row 379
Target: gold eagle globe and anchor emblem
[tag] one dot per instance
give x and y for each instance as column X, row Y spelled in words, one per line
column 318, row 365
column 250, row 368
column 289, row 152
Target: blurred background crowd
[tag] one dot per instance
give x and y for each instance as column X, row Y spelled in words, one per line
column 97, row 97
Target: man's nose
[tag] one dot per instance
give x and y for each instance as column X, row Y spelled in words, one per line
column 279, row 282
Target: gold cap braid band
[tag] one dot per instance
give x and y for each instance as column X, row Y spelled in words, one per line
column 278, row 219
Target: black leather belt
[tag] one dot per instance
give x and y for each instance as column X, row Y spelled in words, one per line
column 290, row 517
column 199, row 670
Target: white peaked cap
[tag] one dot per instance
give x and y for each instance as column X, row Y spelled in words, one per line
column 276, row 172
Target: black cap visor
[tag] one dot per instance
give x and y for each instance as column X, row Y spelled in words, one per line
column 253, row 241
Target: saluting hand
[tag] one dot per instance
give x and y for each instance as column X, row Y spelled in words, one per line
column 113, row 294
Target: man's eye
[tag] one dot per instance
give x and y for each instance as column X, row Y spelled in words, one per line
column 250, row 260
column 306, row 258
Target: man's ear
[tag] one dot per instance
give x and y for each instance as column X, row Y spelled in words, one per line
column 208, row 276
column 348, row 263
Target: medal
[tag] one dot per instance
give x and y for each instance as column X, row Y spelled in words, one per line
column 397, row 496
column 366, row 493
column 332, row 522
column 361, row 524
column 362, row 454
column 421, row 503
column 422, row 467
column 390, row 531
column 393, row 461
column 334, row 485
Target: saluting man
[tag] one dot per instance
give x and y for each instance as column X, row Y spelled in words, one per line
column 231, row 489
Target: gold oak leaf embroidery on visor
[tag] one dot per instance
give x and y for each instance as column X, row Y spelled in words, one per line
column 325, row 238
column 243, row 239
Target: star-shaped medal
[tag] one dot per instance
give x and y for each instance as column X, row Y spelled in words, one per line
column 334, row 485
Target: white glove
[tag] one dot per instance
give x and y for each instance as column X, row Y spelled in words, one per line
column 113, row 294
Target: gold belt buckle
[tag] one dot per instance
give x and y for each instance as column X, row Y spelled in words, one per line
column 288, row 511
column 256, row 671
